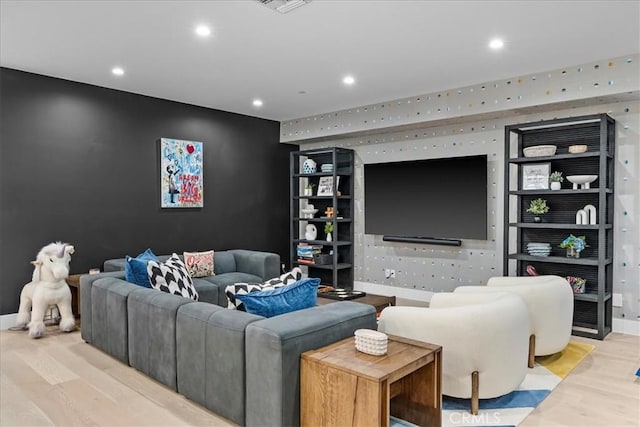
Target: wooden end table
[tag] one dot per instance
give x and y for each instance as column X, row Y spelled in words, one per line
column 340, row 386
column 380, row 302
column 74, row 284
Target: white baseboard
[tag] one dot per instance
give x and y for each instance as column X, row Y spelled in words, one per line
column 8, row 321
column 626, row 326
column 623, row 326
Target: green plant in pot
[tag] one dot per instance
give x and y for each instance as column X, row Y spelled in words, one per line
column 556, row 179
column 308, row 189
column 574, row 245
column 538, row 207
column 328, row 229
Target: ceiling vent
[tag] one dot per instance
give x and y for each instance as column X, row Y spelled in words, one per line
column 284, row 6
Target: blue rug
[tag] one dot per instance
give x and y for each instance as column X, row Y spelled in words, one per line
column 511, row 409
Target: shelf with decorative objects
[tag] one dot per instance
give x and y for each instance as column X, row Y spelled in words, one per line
column 321, row 212
column 559, row 201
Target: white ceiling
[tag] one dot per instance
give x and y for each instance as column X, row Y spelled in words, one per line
column 393, row 48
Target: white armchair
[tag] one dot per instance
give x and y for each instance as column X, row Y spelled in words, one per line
column 549, row 300
column 484, row 339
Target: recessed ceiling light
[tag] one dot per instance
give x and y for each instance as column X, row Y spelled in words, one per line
column 496, row 44
column 257, row 103
column 118, row 71
column 348, row 80
column 203, row 31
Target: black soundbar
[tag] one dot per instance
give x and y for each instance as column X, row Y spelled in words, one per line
column 432, row 240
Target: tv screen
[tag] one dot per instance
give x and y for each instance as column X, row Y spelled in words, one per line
column 434, row 198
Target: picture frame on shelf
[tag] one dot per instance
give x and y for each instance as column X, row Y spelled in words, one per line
column 535, row 176
column 325, row 185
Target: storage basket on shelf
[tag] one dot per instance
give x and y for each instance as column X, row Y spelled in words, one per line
column 539, row 151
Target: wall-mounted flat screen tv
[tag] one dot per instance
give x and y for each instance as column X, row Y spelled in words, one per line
column 434, row 198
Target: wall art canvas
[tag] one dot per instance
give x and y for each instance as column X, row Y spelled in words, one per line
column 181, row 184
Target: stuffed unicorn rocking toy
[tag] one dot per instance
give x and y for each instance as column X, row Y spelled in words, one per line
column 47, row 287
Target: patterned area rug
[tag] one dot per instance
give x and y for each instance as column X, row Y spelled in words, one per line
column 511, row 409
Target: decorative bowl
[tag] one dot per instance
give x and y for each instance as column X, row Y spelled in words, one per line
column 371, row 342
column 309, row 213
column 583, row 180
column 576, row 149
column 539, row 150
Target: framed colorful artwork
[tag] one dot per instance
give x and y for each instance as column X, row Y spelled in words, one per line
column 181, row 183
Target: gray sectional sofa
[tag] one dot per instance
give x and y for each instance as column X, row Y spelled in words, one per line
column 242, row 366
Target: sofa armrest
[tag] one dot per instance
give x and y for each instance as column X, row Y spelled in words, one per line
column 114, row 264
column 273, row 349
column 86, row 282
column 263, row 264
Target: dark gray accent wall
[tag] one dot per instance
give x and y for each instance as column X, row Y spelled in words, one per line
column 79, row 163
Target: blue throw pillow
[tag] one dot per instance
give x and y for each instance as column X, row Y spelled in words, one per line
column 135, row 269
column 296, row 296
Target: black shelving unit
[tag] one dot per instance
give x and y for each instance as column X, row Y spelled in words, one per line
column 592, row 314
column 339, row 272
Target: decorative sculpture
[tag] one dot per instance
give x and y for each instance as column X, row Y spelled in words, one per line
column 311, row 232
column 587, row 215
column 329, row 212
column 47, row 287
column 591, row 213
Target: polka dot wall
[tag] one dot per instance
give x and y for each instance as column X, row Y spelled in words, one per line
column 470, row 121
column 577, row 84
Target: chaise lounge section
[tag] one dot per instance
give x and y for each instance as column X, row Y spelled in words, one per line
column 241, row 366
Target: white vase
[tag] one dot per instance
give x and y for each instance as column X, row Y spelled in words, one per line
column 311, row 232
column 329, row 238
column 556, row 185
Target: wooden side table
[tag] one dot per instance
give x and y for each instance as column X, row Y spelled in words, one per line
column 340, row 386
column 380, row 302
column 74, row 283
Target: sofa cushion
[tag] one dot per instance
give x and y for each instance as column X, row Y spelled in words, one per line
column 225, row 262
column 152, row 333
column 199, row 264
column 273, row 348
column 135, row 269
column 226, row 279
column 172, row 277
column 207, row 291
column 211, row 358
column 244, row 288
column 299, row 295
column 287, row 278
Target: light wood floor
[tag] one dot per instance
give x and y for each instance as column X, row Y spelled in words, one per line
column 60, row 380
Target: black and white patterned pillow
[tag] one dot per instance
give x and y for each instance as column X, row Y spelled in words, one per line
column 244, row 288
column 172, row 277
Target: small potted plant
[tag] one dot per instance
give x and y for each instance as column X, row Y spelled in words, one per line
column 556, row 180
column 328, row 228
column 308, row 189
column 574, row 245
column 538, row 207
